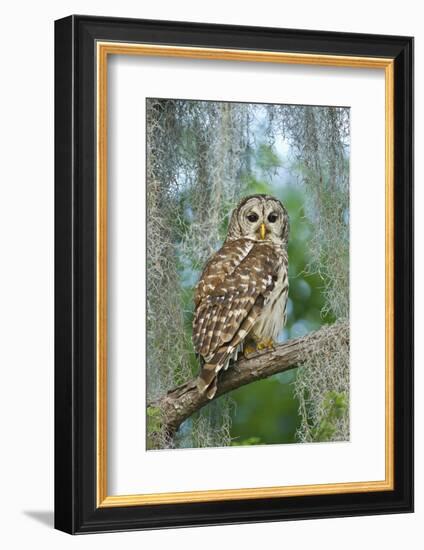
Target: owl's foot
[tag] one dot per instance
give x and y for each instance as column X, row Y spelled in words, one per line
column 249, row 349
column 265, row 345
column 252, row 347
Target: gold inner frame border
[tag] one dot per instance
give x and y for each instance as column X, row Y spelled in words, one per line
column 103, row 50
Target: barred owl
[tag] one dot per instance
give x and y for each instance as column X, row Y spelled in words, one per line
column 241, row 297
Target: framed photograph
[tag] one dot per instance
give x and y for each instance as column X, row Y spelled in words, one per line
column 233, row 265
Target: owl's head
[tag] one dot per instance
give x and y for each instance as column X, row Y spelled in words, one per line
column 259, row 217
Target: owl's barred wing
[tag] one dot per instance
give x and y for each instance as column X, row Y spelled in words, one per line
column 209, row 311
column 230, row 295
column 222, row 264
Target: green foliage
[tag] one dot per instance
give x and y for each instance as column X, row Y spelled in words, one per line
column 266, row 410
column 248, row 441
column 266, row 158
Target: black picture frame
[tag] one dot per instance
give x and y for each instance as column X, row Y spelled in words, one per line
column 76, row 508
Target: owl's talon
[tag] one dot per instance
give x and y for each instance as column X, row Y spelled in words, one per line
column 267, row 345
column 249, row 350
column 252, row 348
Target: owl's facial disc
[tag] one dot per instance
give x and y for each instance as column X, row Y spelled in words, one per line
column 263, row 220
column 259, row 217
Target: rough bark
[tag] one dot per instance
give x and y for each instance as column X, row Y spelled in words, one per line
column 181, row 402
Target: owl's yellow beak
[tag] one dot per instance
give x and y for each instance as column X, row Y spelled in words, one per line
column 262, row 231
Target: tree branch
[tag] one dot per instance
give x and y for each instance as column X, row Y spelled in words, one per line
column 180, row 403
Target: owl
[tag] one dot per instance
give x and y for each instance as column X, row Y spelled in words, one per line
column 241, row 297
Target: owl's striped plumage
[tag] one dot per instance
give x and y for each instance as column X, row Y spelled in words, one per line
column 242, row 293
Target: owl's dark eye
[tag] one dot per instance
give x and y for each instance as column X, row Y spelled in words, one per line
column 253, row 217
column 272, row 218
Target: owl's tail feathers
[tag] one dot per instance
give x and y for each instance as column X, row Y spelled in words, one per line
column 207, row 381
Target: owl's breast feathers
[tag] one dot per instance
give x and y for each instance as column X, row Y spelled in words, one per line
column 233, row 291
